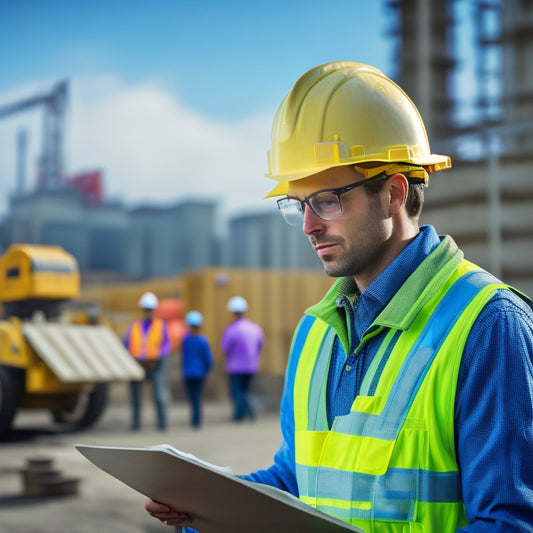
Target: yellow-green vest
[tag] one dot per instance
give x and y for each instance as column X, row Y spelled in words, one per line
column 389, row 466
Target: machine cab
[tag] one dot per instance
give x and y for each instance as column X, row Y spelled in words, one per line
column 34, row 277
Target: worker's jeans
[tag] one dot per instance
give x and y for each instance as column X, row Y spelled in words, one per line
column 194, row 392
column 158, row 379
column 239, row 386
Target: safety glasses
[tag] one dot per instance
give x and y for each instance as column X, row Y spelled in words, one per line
column 325, row 204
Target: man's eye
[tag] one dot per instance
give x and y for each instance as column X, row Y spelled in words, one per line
column 326, row 202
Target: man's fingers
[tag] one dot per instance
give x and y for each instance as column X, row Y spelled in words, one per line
column 183, row 520
column 166, row 514
column 155, row 507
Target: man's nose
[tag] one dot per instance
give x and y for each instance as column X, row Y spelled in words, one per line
column 312, row 223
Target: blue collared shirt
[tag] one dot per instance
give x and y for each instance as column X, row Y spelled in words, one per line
column 493, row 416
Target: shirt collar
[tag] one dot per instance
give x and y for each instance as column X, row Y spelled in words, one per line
column 395, row 295
column 389, row 281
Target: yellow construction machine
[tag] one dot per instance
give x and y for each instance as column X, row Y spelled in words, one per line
column 48, row 361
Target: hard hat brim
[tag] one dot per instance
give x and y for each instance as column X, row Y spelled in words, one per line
column 432, row 163
column 281, row 189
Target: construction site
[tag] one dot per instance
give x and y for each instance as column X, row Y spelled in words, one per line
column 485, row 201
column 73, row 265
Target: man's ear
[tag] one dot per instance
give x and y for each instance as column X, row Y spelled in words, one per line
column 398, row 189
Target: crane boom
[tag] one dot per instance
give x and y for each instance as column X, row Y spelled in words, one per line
column 55, row 103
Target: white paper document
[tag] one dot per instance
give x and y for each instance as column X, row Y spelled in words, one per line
column 219, row 501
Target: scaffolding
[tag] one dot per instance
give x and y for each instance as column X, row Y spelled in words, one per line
column 424, row 58
column 485, row 201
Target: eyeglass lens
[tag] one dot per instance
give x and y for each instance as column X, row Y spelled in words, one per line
column 326, row 205
column 291, row 211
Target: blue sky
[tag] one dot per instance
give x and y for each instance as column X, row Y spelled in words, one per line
column 225, row 58
column 172, row 98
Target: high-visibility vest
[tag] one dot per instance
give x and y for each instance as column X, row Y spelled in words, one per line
column 389, row 466
column 146, row 346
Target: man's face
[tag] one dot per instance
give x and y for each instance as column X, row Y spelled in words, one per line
column 354, row 244
column 148, row 314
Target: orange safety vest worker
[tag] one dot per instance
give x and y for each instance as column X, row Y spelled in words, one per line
column 146, row 345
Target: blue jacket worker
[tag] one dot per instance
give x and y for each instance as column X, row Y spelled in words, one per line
column 196, row 364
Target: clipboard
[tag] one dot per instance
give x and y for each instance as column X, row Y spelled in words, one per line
column 218, row 501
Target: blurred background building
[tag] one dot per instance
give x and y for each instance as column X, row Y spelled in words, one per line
column 264, row 240
column 485, row 201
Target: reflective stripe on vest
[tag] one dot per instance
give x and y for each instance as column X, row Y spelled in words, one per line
column 146, row 346
column 392, row 458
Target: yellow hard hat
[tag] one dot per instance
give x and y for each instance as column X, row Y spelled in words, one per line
column 346, row 113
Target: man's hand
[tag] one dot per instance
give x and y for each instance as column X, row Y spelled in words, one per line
column 166, row 514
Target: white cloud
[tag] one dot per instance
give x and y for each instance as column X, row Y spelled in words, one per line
column 150, row 146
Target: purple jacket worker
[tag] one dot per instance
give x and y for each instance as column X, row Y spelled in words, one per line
column 241, row 343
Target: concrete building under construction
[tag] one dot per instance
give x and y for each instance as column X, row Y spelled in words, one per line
column 486, row 200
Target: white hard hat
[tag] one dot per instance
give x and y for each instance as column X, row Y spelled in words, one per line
column 148, row 301
column 237, row 304
column 194, row 318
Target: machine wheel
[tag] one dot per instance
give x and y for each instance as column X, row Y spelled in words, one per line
column 9, row 392
column 84, row 408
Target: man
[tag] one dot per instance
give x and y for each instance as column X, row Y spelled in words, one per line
column 196, row 363
column 241, row 343
column 408, row 402
column 148, row 341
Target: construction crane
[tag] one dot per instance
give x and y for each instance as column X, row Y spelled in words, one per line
column 52, row 156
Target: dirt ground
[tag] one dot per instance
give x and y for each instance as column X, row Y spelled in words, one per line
column 103, row 503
